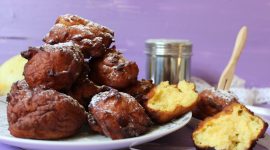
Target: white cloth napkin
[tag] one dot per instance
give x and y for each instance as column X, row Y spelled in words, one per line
column 249, row 96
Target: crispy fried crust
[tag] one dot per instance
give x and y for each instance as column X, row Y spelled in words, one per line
column 93, row 125
column 118, row 114
column 140, row 89
column 92, row 38
column 227, row 111
column 83, row 89
column 164, row 116
column 19, row 85
column 42, row 114
column 56, row 66
column 212, row 101
column 113, row 70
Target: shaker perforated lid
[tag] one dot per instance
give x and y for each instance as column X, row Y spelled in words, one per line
column 172, row 47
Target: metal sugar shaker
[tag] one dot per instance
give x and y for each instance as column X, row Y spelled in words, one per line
column 168, row 60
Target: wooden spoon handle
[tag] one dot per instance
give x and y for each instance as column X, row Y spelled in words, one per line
column 227, row 74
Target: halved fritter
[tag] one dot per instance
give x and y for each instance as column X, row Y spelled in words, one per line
column 234, row 128
column 166, row 102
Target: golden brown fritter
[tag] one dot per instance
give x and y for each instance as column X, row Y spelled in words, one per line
column 166, row 102
column 140, row 89
column 42, row 114
column 93, row 125
column 19, row 85
column 113, row 70
column 71, row 20
column 119, row 115
column 234, row 128
column 92, row 38
column 53, row 66
column 83, row 89
column 211, row 101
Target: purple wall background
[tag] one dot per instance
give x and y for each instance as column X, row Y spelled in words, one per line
column 210, row 24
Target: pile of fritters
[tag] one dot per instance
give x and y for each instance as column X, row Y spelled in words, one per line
column 77, row 62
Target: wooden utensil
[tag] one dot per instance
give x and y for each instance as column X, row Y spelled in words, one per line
column 227, row 74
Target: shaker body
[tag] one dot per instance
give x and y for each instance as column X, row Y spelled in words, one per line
column 167, row 65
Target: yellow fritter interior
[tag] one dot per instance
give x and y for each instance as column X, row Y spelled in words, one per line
column 167, row 97
column 234, row 131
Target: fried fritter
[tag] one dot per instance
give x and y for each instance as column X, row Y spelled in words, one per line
column 53, row 66
column 83, row 89
column 212, row 101
column 166, row 102
column 19, row 85
column 94, row 126
column 92, row 38
column 234, row 128
column 140, row 89
column 113, row 70
column 42, row 114
column 118, row 114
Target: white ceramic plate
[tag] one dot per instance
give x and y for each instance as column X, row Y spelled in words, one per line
column 84, row 140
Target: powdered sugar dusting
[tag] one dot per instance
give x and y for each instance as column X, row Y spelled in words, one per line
column 68, row 47
column 102, row 96
column 62, row 45
column 128, row 97
column 108, row 94
column 227, row 95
